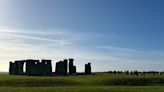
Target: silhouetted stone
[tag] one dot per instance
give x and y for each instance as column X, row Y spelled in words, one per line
column 88, row 68
column 12, row 68
column 61, row 67
column 43, row 68
column 46, row 67
column 65, row 67
column 72, row 68
column 16, row 68
column 60, row 70
column 19, row 67
column 33, row 67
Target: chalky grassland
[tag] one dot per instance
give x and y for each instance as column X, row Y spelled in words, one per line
column 83, row 83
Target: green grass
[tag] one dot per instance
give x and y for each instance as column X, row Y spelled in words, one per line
column 83, row 80
column 83, row 83
column 85, row 89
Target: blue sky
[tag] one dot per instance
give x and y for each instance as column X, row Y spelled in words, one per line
column 111, row 34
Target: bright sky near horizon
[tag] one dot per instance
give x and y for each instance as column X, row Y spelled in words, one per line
column 111, row 34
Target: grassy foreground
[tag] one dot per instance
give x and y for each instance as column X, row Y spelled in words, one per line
column 83, row 83
column 83, row 80
column 85, row 89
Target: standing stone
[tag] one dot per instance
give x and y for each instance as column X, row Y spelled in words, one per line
column 14, row 68
column 39, row 70
column 49, row 66
column 72, row 68
column 46, row 67
column 65, row 66
column 57, row 68
column 10, row 68
column 88, row 68
column 31, row 67
column 19, row 67
column 60, row 68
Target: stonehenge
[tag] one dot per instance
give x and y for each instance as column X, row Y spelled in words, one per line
column 44, row 67
column 33, row 67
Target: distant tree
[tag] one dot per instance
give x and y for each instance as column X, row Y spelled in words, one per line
column 131, row 72
column 114, row 72
column 144, row 73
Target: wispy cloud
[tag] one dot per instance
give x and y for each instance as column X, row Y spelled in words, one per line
column 34, row 38
column 117, row 48
column 59, row 44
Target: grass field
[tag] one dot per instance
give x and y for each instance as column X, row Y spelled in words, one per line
column 83, row 83
column 85, row 89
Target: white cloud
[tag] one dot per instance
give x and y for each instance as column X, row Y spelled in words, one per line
column 57, row 45
column 117, row 48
